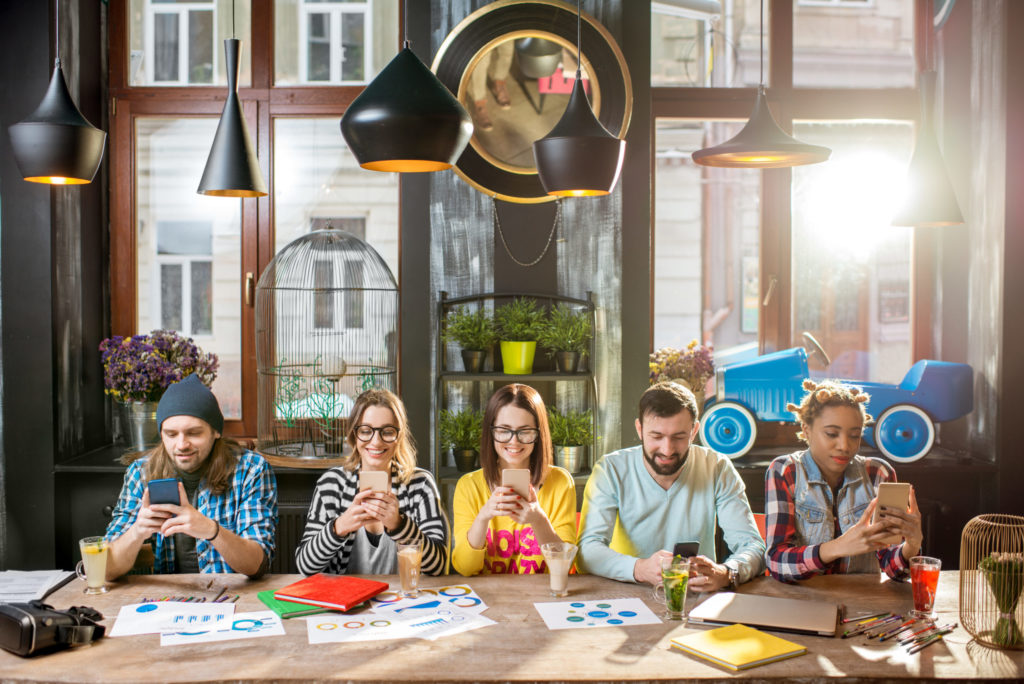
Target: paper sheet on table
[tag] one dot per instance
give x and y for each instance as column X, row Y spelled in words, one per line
column 169, row 616
column 600, row 613
column 426, row 624
column 22, row 586
column 461, row 596
column 240, row 626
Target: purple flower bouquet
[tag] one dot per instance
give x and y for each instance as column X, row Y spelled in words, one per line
column 141, row 367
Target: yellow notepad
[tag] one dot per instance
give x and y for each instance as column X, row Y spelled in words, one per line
column 738, row 647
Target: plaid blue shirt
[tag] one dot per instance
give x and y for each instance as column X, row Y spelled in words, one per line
column 248, row 508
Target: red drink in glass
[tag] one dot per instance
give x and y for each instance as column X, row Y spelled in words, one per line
column 924, row 576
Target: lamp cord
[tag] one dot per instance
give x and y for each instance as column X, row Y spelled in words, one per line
column 233, row 19
column 761, row 51
column 579, row 39
column 504, row 242
column 56, row 39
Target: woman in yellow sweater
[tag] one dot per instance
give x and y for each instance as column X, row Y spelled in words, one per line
column 496, row 530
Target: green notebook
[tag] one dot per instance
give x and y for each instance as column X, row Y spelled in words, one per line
column 288, row 609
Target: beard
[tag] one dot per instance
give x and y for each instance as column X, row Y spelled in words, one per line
column 670, row 468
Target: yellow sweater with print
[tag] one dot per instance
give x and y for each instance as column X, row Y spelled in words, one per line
column 510, row 548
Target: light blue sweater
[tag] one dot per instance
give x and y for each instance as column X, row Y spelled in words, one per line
column 652, row 518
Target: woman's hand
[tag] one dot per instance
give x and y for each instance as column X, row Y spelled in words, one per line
column 383, row 508
column 355, row 516
column 527, row 512
column 503, row 501
column 861, row 538
column 906, row 525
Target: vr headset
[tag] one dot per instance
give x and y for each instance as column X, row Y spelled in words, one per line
column 34, row 627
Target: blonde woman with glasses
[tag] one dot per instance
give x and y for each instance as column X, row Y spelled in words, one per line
column 496, row 530
column 349, row 531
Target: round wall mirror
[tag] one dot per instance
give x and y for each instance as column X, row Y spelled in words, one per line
column 512, row 65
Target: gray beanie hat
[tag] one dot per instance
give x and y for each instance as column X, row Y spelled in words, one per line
column 190, row 397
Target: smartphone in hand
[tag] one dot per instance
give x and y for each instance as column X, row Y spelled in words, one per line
column 164, row 491
column 891, row 495
column 686, row 549
column 518, row 479
column 377, row 480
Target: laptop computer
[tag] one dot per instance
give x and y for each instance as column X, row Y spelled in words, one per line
column 768, row 612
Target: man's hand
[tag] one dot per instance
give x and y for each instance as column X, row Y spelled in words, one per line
column 184, row 519
column 149, row 520
column 707, row 575
column 649, row 569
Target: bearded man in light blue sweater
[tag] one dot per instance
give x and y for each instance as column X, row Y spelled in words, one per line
column 639, row 502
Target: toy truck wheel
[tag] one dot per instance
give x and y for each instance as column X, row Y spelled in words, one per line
column 904, row 433
column 728, row 428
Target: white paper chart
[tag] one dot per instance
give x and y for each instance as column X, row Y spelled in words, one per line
column 606, row 613
column 421, row 624
column 240, row 626
column 461, row 596
column 169, row 616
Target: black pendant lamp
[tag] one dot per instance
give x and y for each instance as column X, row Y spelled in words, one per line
column 56, row 144
column 232, row 169
column 406, row 120
column 930, row 201
column 579, row 157
column 762, row 144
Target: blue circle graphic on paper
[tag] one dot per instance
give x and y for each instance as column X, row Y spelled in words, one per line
column 614, row 621
column 576, row 605
column 597, row 614
column 627, row 613
column 146, row 608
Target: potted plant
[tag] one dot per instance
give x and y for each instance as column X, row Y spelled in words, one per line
column 460, row 432
column 474, row 332
column 518, row 323
column 566, row 335
column 691, row 367
column 571, row 433
column 137, row 370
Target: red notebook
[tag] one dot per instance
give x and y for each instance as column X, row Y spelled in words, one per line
column 339, row 592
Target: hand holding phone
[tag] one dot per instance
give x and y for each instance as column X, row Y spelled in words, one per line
column 376, row 480
column 164, row 491
column 891, row 495
column 518, row 479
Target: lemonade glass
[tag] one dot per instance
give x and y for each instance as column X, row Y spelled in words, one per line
column 675, row 575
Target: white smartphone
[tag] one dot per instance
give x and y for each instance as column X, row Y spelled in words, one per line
column 377, row 480
column 518, row 479
column 892, row 495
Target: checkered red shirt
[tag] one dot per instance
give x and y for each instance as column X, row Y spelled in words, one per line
column 788, row 562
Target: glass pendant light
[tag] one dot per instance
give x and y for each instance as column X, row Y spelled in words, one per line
column 406, row 120
column 762, row 144
column 56, row 144
column 579, row 157
column 232, row 169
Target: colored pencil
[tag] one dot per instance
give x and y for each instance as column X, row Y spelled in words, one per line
column 924, row 644
column 864, row 618
column 866, row 626
column 222, row 590
column 889, row 633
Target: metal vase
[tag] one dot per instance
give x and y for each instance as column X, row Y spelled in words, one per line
column 567, row 361
column 473, row 360
column 570, row 457
column 138, row 423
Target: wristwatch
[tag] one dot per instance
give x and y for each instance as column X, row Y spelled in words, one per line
column 734, row 577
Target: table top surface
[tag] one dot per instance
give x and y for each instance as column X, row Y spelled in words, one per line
column 518, row 648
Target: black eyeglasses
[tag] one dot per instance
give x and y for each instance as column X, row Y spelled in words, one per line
column 523, row 435
column 388, row 433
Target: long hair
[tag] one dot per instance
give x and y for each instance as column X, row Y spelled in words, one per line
column 527, row 398
column 220, row 465
column 405, row 449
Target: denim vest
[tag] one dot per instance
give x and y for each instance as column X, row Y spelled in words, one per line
column 813, row 503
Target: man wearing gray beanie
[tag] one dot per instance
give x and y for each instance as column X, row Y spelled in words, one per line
column 226, row 513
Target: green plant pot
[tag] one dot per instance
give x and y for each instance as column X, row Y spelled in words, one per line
column 473, row 360
column 570, row 457
column 567, row 361
column 465, row 459
column 517, row 357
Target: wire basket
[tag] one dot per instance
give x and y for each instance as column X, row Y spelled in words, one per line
column 992, row 580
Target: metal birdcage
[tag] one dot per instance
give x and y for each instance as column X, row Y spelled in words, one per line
column 992, row 579
column 326, row 330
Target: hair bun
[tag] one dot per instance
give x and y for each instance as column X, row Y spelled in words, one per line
column 809, row 385
column 823, row 395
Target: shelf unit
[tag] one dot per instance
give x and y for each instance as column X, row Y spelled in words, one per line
column 545, row 378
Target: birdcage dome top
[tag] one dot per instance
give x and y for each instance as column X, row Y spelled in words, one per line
column 294, row 267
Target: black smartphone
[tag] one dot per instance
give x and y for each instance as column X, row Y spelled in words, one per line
column 683, row 549
column 164, row 491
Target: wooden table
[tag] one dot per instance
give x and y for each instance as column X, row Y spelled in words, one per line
column 518, row 648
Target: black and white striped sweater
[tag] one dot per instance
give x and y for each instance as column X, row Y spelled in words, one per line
column 321, row 550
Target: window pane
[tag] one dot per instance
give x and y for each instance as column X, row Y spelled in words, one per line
column 853, row 43
column 851, row 268
column 165, row 47
column 175, row 225
column 315, row 176
column 706, row 241
column 361, row 28
column 202, row 298
column 182, row 43
column 170, row 296
column 319, row 60
column 200, row 47
column 707, row 43
column 353, row 45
